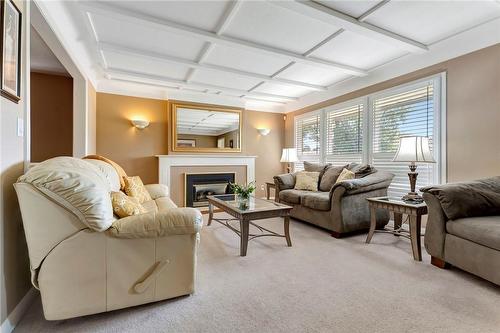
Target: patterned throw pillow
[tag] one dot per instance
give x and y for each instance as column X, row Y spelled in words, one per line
column 124, row 205
column 345, row 175
column 135, row 188
column 307, row 180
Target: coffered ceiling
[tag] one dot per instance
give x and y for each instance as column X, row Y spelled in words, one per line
column 261, row 54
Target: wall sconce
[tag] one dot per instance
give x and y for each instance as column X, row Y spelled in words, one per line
column 140, row 124
column 264, row 131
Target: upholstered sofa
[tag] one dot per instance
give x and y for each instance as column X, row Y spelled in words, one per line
column 83, row 259
column 341, row 208
column 463, row 226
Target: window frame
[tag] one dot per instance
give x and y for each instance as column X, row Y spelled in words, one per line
column 439, row 125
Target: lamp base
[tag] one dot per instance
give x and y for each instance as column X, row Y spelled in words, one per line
column 413, row 197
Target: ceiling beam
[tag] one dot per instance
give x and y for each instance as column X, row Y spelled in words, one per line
column 328, row 15
column 159, row 80
column 196, row 65
column 208, row 36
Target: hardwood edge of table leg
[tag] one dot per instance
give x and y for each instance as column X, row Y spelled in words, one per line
column 210, row 213
column 244, row 232
column 415, row 225
column 287, row 230
column 373, row 223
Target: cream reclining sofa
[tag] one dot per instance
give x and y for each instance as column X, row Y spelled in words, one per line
column 83, row 259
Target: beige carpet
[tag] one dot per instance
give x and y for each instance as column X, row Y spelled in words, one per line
column 321, row 284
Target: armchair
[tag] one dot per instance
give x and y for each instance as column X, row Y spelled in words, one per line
column 341, row 210
column 83, row 259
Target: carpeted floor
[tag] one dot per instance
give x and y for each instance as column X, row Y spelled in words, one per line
column 321, row 284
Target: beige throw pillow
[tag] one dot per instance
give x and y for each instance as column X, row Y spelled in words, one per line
column 345, row 175
column 135, row 188
column 124, row 205
column 330, row 177
column 307, row 180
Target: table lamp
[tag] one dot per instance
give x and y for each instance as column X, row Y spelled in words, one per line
column 289, row 155
column 413, row 149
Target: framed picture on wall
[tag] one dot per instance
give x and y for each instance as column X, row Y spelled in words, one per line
column 10, row 47
column 186, row 143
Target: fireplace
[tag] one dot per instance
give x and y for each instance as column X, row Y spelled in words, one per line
column 200, row 185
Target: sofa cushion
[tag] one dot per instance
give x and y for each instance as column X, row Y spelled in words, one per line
column 317, row 200
column 119, row 170
column 305, row 180
column 109, row 173
column 292, row 196
column 315, row 167
column 468, row 199
column 330, row 177
column 483, row 230
column 361, row 171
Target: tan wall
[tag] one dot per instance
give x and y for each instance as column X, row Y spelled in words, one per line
column 473, row 111
column 51, row 116
column 14, row 263
column 130, row 147
column 135, row 149
column 233, row 135
column 91, row 108
column 202, row 141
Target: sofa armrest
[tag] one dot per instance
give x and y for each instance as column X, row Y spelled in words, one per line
column 157, row 190
column 374, row 181
column 176, row 221
column 284, row 182
column 435, row 229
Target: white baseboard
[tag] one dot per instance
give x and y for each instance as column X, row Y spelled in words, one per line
column 15, row 316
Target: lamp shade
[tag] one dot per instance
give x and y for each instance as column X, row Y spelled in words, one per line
column 289, row 155
column 414, row 149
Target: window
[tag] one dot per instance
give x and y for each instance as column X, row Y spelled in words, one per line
column 307, row 139
column 367, row 131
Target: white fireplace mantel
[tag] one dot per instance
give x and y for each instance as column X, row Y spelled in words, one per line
column 166, row 162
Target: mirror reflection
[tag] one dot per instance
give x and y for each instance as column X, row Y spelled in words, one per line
column 205, row 129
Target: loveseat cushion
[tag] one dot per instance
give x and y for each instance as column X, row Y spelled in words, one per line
column 292, row 196
column 317, row 200
column 158, row 205
column 483, row 230
column 330, row 177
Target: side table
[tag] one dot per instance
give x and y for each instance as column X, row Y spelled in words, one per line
column 399, row 207
column 270, row 186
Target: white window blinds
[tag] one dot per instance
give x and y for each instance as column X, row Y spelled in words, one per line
column 344, row 135
column 307, row 139
column 408, row 112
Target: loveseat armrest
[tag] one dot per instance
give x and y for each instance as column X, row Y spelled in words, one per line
column 435, row 229
column 157, row 190
column 374, row 181
column 285, row 181
column 176, row 221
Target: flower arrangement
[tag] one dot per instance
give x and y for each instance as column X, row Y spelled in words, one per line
column 243, row 191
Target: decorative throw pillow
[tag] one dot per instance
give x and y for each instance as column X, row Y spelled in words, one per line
column 316, row 167
column 135, row 188
column 345, row 175
column 330, row 177
column 124, row 205
column 361, row 171
column 306, row 180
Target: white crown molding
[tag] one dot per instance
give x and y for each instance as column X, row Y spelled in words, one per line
column 476, row 38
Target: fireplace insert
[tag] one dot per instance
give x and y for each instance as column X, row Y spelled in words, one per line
column 200, row 185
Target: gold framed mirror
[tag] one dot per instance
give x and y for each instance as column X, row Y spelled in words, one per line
column 205, row 128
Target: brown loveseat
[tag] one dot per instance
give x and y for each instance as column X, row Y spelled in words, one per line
column 463, row 227
column 341, row 208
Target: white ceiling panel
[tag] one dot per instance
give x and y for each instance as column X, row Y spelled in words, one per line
column 224, row 79
column 245, row 60
column 265, row 23
column 200, row 14
column 352, row 8
column 431, row 21
column 356, row 50
column 313, row 75
column 145, row 38
column 278, row 89
column 146, row 66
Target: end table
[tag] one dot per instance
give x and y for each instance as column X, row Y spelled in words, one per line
column 269, row 186
column 399, row 207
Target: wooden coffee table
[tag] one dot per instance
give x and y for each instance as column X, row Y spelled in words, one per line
column 246, row 213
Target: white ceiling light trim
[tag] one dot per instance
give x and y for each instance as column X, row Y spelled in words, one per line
column 208, row 36
column 197, row 65
column 147, row 78
column 331, row 16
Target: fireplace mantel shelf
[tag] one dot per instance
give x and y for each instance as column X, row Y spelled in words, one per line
column 166, row 162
